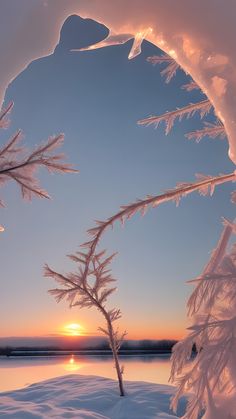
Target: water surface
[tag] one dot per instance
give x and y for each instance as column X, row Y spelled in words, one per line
column 18, row 372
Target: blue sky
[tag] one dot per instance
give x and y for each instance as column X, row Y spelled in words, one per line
column 96, row 98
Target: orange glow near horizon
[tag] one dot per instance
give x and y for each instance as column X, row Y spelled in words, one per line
column 60, row 327
column 73, row 329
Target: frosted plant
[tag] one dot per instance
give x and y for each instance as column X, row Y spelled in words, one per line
column 192, row 85
column 210, row 376
column 90, row 287
column 210, row 130
column 19, row 165
column 169, row 117
column 171, row 68
column 204, row 185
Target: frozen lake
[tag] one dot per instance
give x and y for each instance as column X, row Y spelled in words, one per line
column 18, row 372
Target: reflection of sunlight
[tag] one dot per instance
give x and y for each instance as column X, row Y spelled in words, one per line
column 15, row 373
column 72, row 365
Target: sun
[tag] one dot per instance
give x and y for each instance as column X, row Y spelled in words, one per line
column 73, row 329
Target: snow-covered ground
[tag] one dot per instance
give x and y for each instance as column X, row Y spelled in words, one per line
column 88, row 397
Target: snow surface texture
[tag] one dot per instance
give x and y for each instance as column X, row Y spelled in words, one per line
column 88, row 397
column 198, row 34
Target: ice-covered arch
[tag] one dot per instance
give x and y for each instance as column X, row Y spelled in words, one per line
column 190, row 31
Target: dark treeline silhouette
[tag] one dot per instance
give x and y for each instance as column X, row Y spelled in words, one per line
column 128, row 347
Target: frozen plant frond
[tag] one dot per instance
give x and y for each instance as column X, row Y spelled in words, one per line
column 192, row 85
column 233, row 197
column 219, row 251
column 210, row 130
column 160, row 59
column 19, row 165
column 23, row 169
column 210, row 376
column 10, row 146
column 169, row 118
column 4, row 121
column 172, row 66
column 89, row 291
column 204, row 185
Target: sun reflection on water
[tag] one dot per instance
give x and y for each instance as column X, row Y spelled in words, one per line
column 73, row 365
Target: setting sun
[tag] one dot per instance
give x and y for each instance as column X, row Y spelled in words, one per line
column 73, row 329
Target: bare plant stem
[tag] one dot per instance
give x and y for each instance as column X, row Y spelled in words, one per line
column 113, row 344
column 115, row 354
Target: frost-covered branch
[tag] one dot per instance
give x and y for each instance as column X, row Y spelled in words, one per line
column 204, row 185
column 170, row 70
column 169, row 118
column 233, row 197
column 4, row 121
column 92, row 291
column 19, row 165
column 171, row 65
column 210, row 130
column 210, row 376
column 192, row 85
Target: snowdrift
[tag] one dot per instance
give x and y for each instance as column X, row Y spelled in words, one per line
column 88, row 397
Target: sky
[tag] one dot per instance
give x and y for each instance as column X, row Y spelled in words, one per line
column 96, row 98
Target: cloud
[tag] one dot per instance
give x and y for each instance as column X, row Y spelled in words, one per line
column 191, row 31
